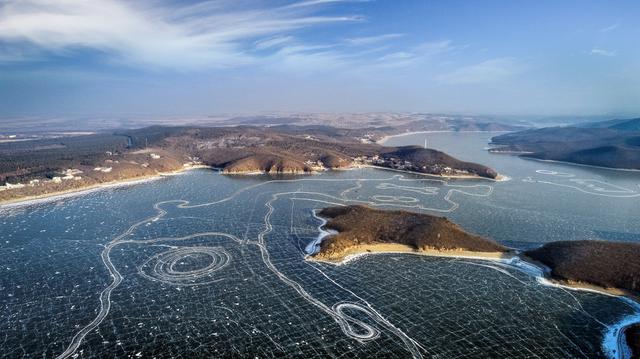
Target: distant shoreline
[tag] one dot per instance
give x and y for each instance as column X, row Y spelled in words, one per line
column 53, row 196
column 388, row 137
column 499, row 177
column 516, row 153
column 581, row 164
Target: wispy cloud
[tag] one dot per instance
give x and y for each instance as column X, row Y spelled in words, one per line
column 396, row 59
column 435, row 48
column 602, row 52
column 308, row 59
column 208, row 34
column 372, row 54
column 320, row 2
column 272, row 42
column 162, row 34
column 610, row 27
column 369, row 40
column 489, row 71
column 418, row 54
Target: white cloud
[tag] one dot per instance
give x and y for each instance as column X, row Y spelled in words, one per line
column 143, row 33
column 602, row 52
column 488, row 71
column 162, row 34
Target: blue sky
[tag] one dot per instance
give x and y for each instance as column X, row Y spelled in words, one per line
column 158, row 57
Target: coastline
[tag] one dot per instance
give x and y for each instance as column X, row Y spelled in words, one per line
column 613, row 343
column 581, row 164
column 493, row 152
column 512, row 258
column 314, row 246
column 53, row 196
column 386, row 138
column 499, row 177
column 309, row 173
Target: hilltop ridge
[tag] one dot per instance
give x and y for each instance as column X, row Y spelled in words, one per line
column 361, row 228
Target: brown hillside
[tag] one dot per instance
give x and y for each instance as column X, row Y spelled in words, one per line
column 606, row 264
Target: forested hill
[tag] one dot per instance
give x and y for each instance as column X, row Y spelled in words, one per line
column 614, row 144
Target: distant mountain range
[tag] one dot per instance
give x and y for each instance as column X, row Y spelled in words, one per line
column 382, row 123
column 614, row 143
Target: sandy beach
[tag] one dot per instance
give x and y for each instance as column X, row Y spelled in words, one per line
column 362, row 250
column 389, row 248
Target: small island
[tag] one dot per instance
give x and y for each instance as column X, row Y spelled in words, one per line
column 614, row 266
column 364, row 229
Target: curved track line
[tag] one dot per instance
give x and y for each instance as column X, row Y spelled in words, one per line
column 336, row 312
